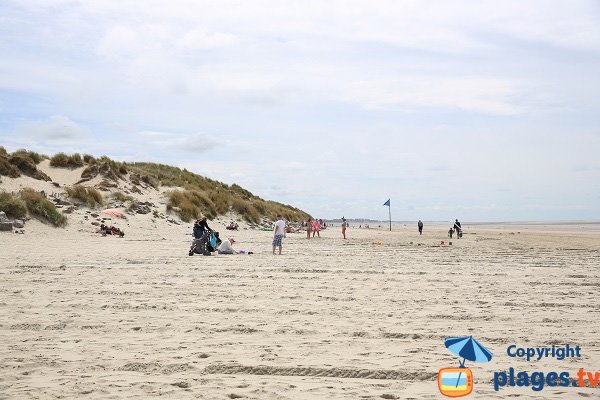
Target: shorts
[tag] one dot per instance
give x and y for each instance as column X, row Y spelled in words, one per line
column 277, row 241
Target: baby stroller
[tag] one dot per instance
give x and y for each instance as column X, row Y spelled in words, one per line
column 206, row 244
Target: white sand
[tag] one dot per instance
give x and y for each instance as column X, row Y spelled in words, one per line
column 85, row 316
column 126, row 318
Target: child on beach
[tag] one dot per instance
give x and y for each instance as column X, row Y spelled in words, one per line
column 344, row 226
column 450, row 232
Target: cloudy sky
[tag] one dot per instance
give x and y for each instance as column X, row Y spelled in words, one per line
column 476, row 110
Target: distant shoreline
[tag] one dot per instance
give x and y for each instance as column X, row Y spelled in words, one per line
column 527, row 223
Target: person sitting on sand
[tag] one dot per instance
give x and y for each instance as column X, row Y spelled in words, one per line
column 226, row 247
column 232, row 226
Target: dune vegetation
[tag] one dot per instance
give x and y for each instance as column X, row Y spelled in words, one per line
column 41, row 208
column 192, row 196
column 21, row 162
column 13, row 207
column 87, row 195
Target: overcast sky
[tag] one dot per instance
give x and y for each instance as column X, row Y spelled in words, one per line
column 480, row 110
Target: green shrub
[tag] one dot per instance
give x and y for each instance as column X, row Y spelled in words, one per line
column 3, row 151
column 246, row 209
column 132, row 206
column 89, row 196
column 221, row 200
column 25, row 164
column 121, row 197
column 241, row 191
column 61, row 160
column 106, row 167
column 35, row 158
column 12, row 206
column 88, row 159
column 7, row 169
column 190, row 204
column 75, row 161
column 39, row 207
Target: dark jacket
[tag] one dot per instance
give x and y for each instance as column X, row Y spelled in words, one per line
column 200, row 228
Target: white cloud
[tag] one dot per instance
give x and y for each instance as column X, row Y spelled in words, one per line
column 199, row 39
column 56, row 129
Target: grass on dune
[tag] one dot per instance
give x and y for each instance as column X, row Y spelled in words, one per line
column 41, row 208
column 88, row 196
column 14, row 207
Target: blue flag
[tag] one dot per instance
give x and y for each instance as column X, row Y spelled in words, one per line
column 387, row 203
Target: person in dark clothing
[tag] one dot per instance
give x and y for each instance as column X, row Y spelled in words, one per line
column 201, row 235
column 420, row 225
column 200, row 226
column 457, row 229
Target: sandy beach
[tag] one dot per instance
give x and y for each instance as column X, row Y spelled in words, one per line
column 85, row 316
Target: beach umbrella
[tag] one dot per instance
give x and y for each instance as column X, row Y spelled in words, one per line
column 114, row 212
column 469, row 349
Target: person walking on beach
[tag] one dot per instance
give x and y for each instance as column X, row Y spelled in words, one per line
column 457, row 228
column 344, row 226
column 278, row 233
column 316, row 228
column 420, row 225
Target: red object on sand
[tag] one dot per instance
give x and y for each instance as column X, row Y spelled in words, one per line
column 114, row 212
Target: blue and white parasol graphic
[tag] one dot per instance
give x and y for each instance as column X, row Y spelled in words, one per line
column 469, row 349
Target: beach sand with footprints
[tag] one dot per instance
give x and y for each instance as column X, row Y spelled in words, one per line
column 85, row 316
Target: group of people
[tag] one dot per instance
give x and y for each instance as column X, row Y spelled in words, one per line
column 314, row 226
column 455, row 229
column 110, row 230
column 233, row 226
column 206, row 240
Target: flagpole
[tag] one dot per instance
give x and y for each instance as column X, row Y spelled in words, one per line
column 390, row 212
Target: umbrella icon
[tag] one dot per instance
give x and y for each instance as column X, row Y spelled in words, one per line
column 469, row 349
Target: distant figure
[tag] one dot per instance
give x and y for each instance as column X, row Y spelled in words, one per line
column 457, row 229
column 450, row 232
column 308, row 227
column 233, row 226
column 344, row 226
column 226, row 247
column 420, row 225
column 278, row 233
column 316, row 228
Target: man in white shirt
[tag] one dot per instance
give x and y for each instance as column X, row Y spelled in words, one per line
column 226, row 247
column 278, row 233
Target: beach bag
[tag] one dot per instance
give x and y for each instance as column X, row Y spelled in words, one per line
column 212, row 240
